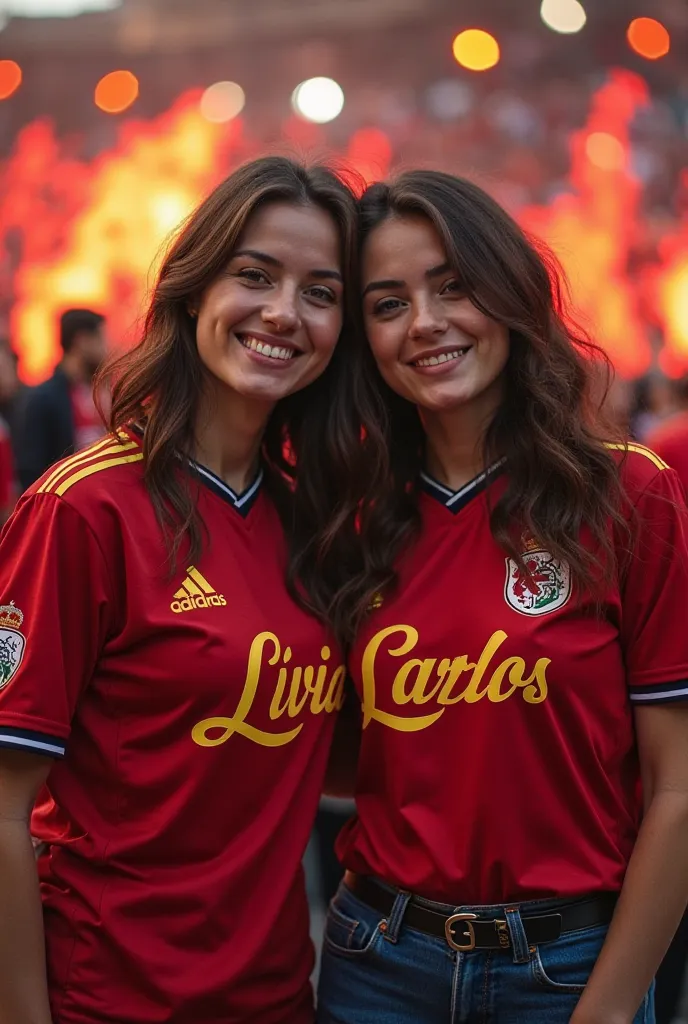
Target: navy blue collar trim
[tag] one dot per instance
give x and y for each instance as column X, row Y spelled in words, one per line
column 243, row 502
column 454, row 501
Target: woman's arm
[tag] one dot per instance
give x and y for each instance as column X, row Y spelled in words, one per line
column 655, row 889
column 23, row 984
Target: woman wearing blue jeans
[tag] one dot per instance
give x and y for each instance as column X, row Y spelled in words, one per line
column 519, row 647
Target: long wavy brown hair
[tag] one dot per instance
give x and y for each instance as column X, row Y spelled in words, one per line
column 561, row 478
column 312, row 446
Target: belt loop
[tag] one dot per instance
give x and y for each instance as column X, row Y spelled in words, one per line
column 517, row 933
column 391, row 933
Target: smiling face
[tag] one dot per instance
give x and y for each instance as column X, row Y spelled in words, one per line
column 268, row 325
column 431, row 344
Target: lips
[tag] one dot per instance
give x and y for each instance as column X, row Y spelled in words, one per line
column 445, row 356
column 280, row 353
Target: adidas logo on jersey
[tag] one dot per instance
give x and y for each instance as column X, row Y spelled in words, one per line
column 196, row 592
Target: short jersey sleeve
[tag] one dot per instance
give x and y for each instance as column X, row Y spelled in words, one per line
column 54, row 610
column 655, row 594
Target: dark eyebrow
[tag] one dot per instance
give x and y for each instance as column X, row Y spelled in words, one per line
column 256, row 255
column 377, row 286
column 324, row 274
column 263, row 257
column 442, row 268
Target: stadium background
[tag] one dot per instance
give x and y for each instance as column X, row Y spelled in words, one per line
column 117, row 116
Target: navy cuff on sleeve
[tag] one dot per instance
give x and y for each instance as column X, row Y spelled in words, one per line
column 660, row 693
column 32, row 742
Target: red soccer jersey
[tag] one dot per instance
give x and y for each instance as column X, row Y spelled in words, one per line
column 670, row 441
column 194, row 716
column 498, row 760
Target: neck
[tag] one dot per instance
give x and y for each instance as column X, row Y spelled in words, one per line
column 454, row 453
column 73, row 370
column 228, row 435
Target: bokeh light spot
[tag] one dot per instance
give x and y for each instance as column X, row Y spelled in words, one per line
column 565, row 16
column 116, row 92
column 605, row 151
column 318, row 99
column 10, row 78
column 222, row 102
column 475, row 49
column 649, row 38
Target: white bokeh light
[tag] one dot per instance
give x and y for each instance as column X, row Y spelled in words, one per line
column 318, row 99
column 222, row 102
column 54, row 8
column 566, row 16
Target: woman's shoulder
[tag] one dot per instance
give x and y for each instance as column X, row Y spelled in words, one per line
column 110, row 471
column 639, row 467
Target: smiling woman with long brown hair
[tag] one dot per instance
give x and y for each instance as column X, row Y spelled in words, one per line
column 519, row 646
column 164, row 691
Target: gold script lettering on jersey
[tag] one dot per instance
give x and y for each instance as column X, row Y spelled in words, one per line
column 297, row 690
column 435, row 684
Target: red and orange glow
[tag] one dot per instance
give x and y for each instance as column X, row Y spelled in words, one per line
column 591, row 228
column 91, row 231
column 671, row 290
column 10, row 78
column 116, row 92
column 88, row 232
column 649, row 38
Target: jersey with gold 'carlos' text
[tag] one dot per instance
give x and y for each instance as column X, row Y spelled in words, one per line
column 498, row 760
column 190, row 719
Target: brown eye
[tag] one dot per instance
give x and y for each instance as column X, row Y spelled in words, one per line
column 389, row 305
column 254, row 275
column 321, row 293
column 452, row 287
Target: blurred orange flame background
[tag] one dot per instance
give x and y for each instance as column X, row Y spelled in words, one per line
column 88, row 232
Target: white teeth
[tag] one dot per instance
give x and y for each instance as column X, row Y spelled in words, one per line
column 271, row 351
column 444, row 357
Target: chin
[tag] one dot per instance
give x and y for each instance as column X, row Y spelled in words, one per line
column 442, row 403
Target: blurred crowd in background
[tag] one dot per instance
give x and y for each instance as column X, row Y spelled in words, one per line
column 407, row 102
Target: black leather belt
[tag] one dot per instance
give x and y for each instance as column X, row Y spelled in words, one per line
column 467, row 931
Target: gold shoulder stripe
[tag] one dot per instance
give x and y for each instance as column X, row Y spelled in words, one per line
column 640, row 449
column 107, row 447
column 96, row 467
column 84, row 453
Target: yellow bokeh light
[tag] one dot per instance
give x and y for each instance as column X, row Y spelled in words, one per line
column 475, row 49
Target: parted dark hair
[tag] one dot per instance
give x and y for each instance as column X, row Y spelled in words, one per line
column 78, row 321
column 561, row 477
column 311, row 448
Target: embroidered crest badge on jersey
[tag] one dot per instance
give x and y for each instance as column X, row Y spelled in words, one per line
column 12, row 642
column 544, row 588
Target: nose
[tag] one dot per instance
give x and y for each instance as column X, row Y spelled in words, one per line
column 281, row 311
column 427, row 320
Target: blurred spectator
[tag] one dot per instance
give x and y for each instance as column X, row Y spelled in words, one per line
column 13, row 395
column 60, row 416
column 8, row 490
column 670, row 439
column 655, row 401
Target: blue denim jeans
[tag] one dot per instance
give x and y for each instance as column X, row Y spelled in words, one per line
column 396, row 975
